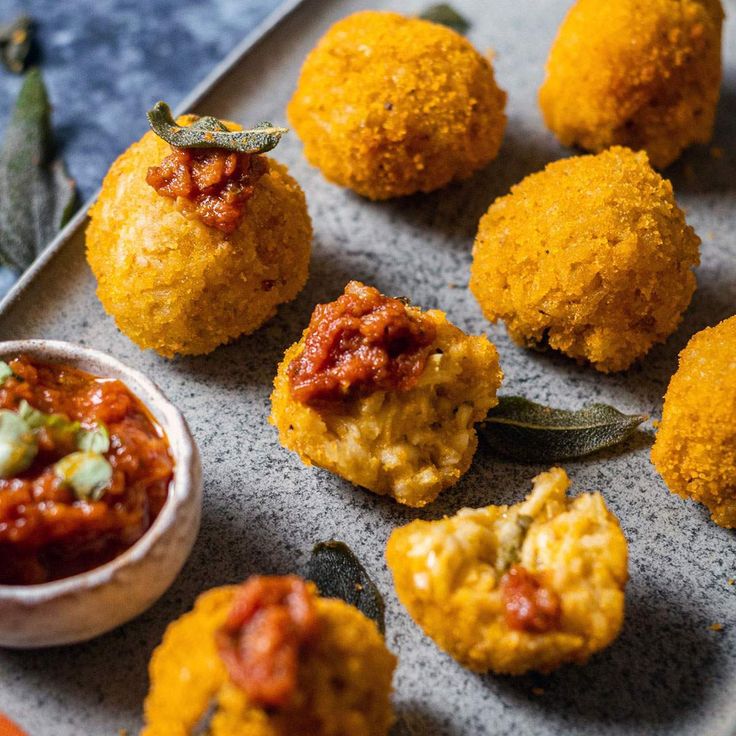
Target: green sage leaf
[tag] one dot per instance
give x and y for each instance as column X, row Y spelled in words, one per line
column 337, row 573
column 94, row 440
column 446, row 15
column 87, row 473
column 36, row 195
column 209, row 132
column 16, row 40
column 530, row 432
column 59, row 426
column 34, row 418
column 18, row 444
column 5, row 372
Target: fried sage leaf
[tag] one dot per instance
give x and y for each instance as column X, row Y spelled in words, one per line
column 530, row 432
column 337, row 573
column 16, row 40
column 36, row 195
column 446, row 15
column 209, row 132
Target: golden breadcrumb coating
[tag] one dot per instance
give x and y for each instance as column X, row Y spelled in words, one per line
column 640, row 74
column 591, row 257
column 389, row 106
column 695, row 449
column 408, row 444
column 344, row 679
column 178, row 286
column 448, row 575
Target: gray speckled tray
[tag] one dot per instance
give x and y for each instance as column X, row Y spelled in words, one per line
column 666, row 674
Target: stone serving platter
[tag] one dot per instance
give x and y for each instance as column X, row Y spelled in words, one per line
column 668, row 673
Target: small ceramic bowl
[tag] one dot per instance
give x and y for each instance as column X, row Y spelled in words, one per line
column 89, row 604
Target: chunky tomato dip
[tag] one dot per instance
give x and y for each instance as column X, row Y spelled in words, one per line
column 84, row 471
column 271, row 621
column 361, row 343
column 528, row 604
column 212, row 184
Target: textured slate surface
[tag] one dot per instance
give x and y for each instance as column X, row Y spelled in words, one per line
column 105, row 62
column 667, row 673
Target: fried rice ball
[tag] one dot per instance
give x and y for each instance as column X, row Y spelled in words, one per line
column 409, row 444
column 695, row 448
column 591, row 257
column 388, row 106
column 512, row 589
column 640, row 74
column 344, row 680
column 177, row 285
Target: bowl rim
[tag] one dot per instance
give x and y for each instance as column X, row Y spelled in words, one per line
column 186, row 481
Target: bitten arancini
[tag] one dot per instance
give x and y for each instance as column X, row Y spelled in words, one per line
column 178, row 285
column 695, row 448
column 639, row 74
column 516, row 588
column 388, row 105
column 256, row 680
column 591, row 257
column 385, row 395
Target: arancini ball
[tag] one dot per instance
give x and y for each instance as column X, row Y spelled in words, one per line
column 516, row 588
column 695, row 448
column 178, row 285
column 388, row 105
column 591, row 257
column 337, row 682
column 640, row 74
column 385, row 395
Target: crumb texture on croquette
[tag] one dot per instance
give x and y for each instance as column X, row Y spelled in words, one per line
column 178, row 286
column 344, row 680
column 448, row 575
column 388, row 105
column 591, row 257
column 640, row 74
column 695, row 447
column 408, row 444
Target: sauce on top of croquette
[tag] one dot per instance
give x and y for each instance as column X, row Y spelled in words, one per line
column 360, row 343
column 528, row 604
column 271, row 621
column 84, row 471
column 212, row 184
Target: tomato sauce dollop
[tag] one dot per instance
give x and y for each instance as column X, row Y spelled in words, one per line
column 528, row 604
column 360, row 343
column 212, row 183
column 271, row 621
column 46, row 532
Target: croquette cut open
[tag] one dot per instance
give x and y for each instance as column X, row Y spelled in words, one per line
column 233, row 665
column 388, row 105
column 385, row 395
column 516, row 588
column 591, row 257
column 640, row 74
column 192, row 249
column 695, row 448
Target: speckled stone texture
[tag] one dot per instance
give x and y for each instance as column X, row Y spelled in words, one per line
column 667, row 674
column 105, row 62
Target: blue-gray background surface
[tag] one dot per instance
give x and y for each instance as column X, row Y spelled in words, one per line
column 106, row 61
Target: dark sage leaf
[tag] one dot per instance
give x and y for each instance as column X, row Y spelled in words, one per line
column 16, row 39
column 337, row 573
column 209, row 132
column 533, row 433
column 446, row 15
column 36, row 195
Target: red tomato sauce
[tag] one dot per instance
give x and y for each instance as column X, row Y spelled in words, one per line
column 360, row 343
column 272, row 619
column 216, row 183
column 46, row 531
column 529, row 605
